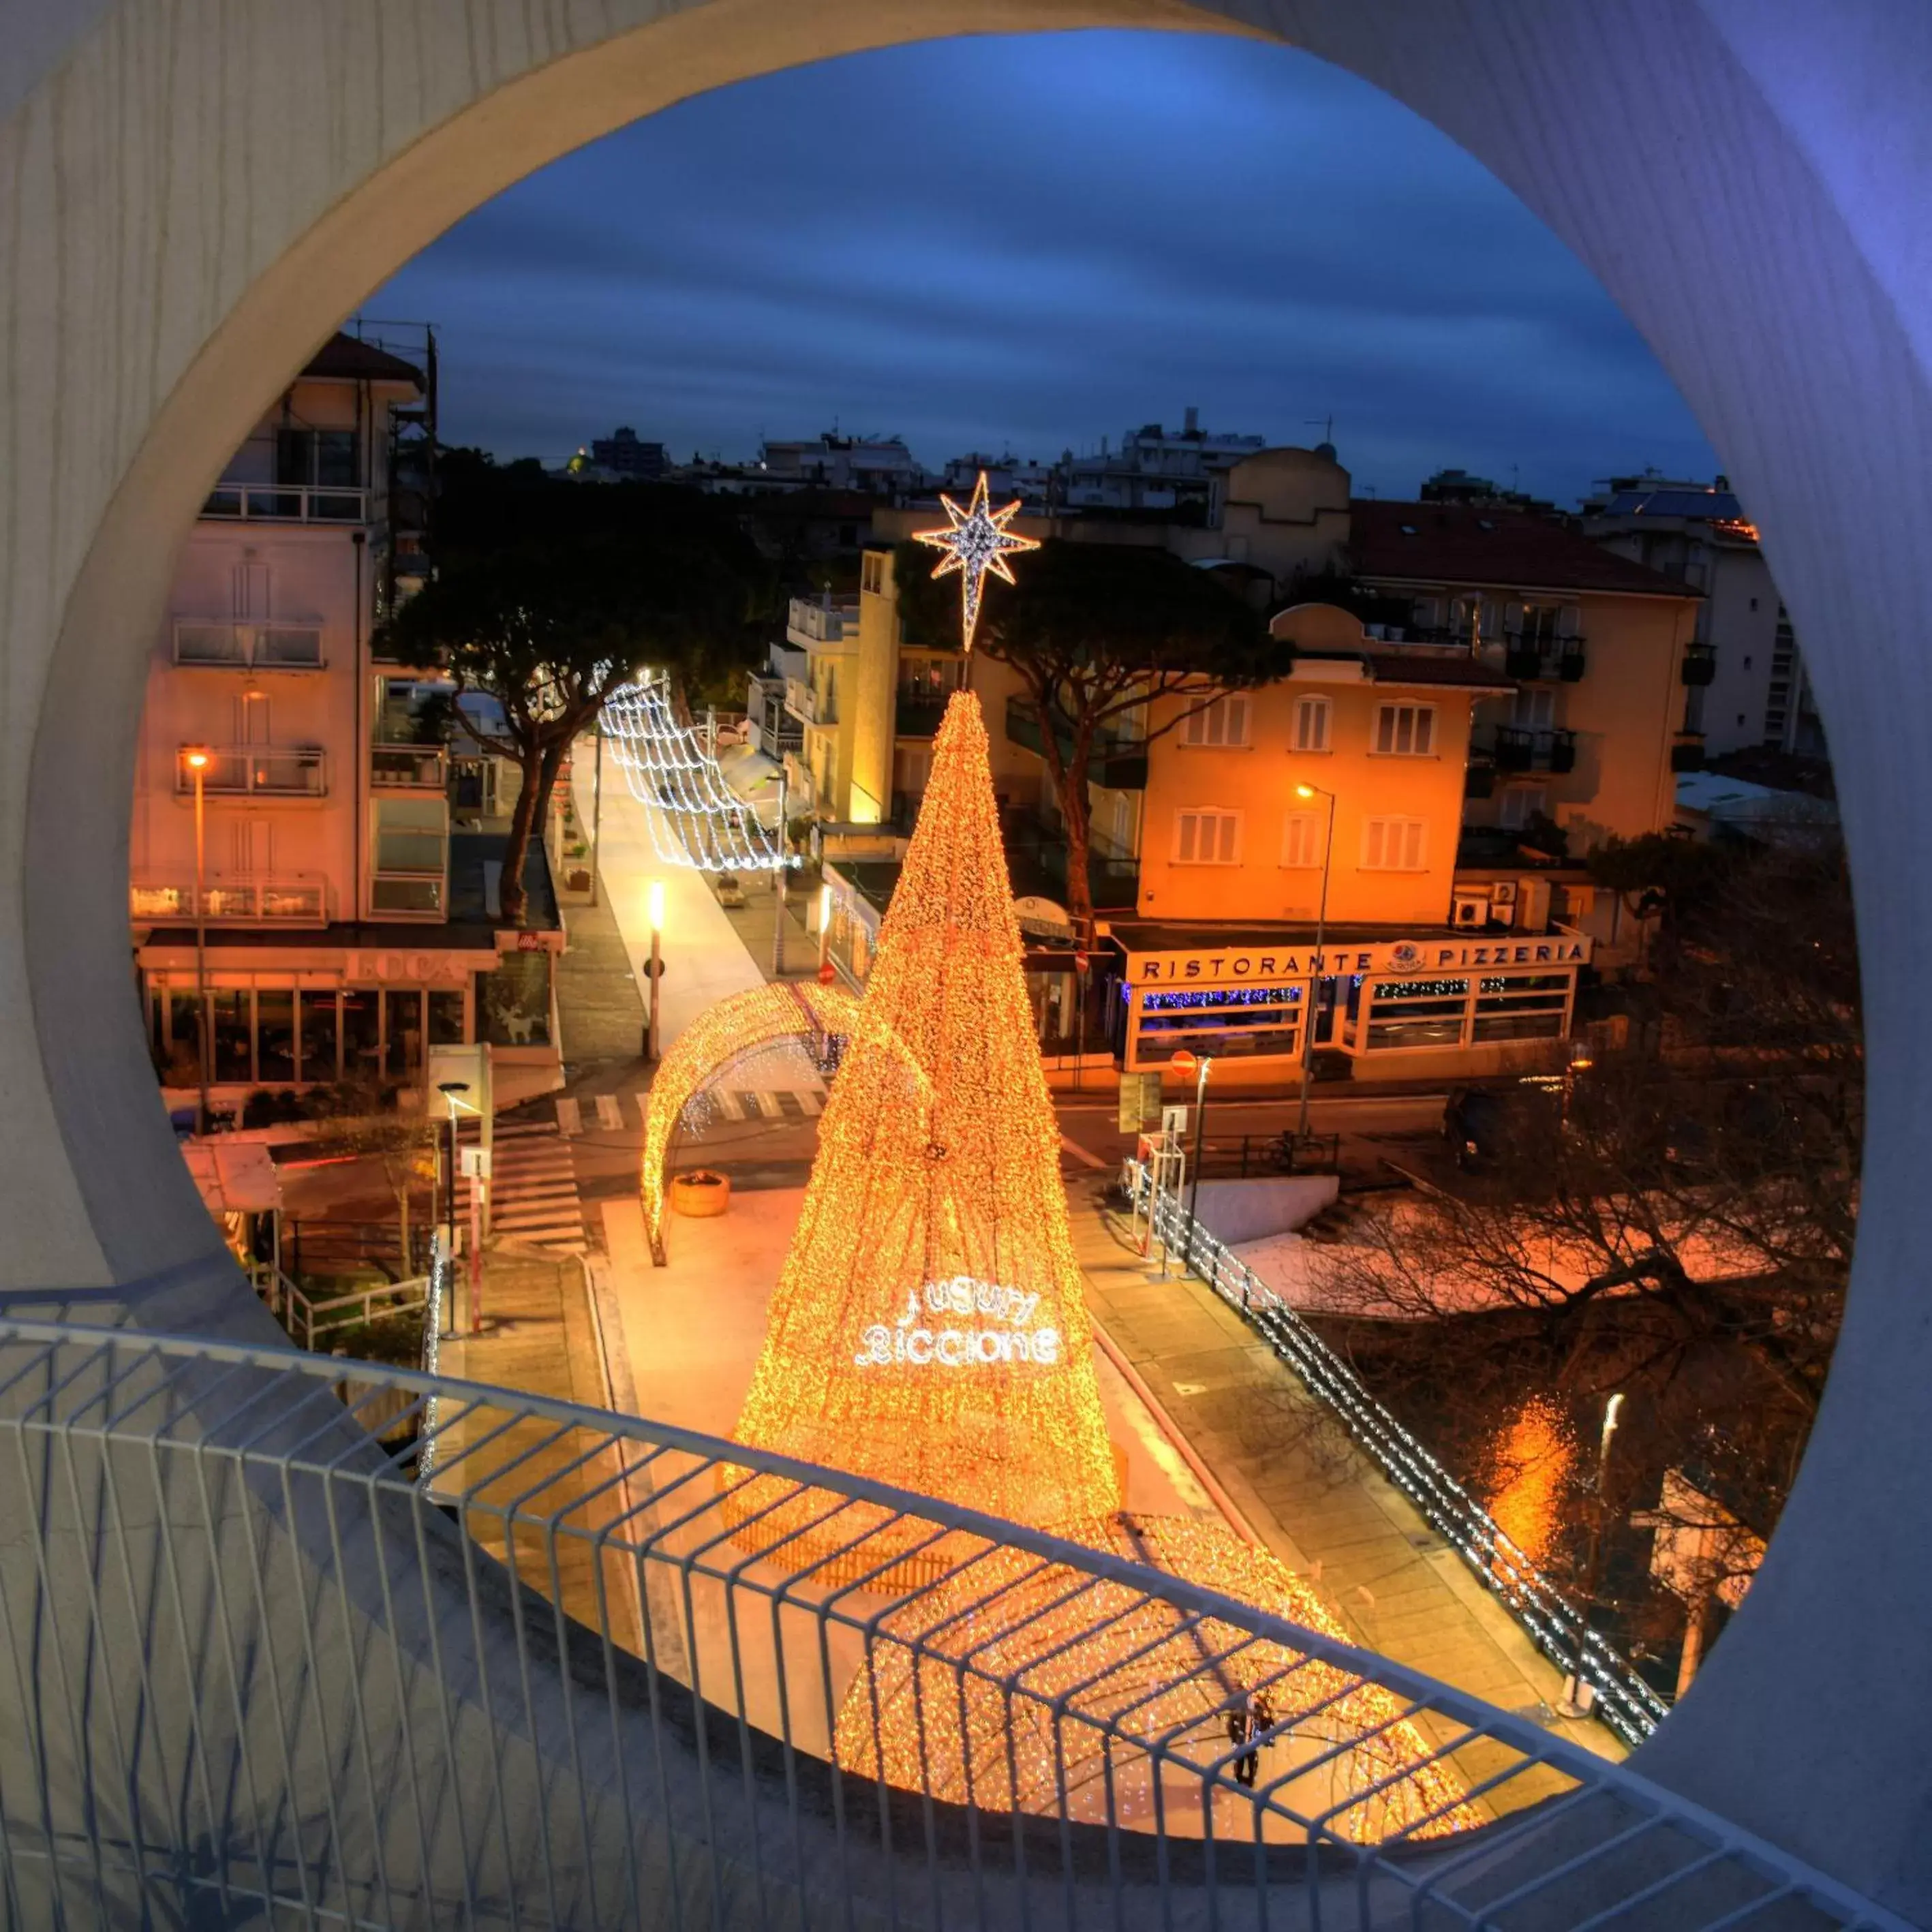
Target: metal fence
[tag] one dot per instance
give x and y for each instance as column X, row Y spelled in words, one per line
column 1623, row 1700
column 590, row 1671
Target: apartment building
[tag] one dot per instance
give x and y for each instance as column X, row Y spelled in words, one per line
column 824, row 633
column 289, row 803
column 1600, row 651
column 1753, row 690
column 1156, row 468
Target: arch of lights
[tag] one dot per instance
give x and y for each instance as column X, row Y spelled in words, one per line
column 744, row 1024
column 696, row 819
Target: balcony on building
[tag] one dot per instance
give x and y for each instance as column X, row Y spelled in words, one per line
column 822, row 623
column 409, row 768
column 233, row 898
column 241, row 646
column 1699, row 666
column 1118, row 762
column 1535, row 659
column 802, row 702
column 286, row 503
column 1036, row 863
column 410, row 857
column 1515, row 749
column 916, row 711
column 258, row 771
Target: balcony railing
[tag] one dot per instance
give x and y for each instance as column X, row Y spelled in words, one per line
column 439, row 1653
column 286, row 503
column 1532, row 658
column 1699, row 666
column 808, row 623
column 234, row 899
column 409, row 767
column 221, row 647
column 804, row 704
column 915, row 714
column 411, row 893
column 1517, row 750
column 1119, row 764
column 266, row 771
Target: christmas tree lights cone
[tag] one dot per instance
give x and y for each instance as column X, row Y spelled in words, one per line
column 928, row 1328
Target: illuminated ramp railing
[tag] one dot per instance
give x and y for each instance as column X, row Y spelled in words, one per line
column 263, row 1665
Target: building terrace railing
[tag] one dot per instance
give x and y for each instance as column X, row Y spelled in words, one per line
column 286, row 503
column 285, row 771
column 238, row 646
column 1118, row 762
column 241, row 898
column 523, row 1662
column 1623, row 1700
column 409, row 767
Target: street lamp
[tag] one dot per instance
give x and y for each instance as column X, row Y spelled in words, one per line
column 197, row 757
column 1577, row 1697
column 657, row 902
column 824, row 925
column 449, row 1090
column 1197, row 1064
column 1315, row 975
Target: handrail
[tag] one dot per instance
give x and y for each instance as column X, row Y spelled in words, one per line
column 1625, row 1701
column 605, row 1666
column 299, row 1314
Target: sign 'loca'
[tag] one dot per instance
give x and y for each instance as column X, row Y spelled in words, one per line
column 909, row 1341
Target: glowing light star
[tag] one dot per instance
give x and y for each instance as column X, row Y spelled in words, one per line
column 977, row 541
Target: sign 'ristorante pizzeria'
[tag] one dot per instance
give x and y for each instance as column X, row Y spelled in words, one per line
column 1227, row 965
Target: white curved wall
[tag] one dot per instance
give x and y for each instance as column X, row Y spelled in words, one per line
column 194, row 196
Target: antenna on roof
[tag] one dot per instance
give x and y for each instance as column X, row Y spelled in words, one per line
column 1327, row 424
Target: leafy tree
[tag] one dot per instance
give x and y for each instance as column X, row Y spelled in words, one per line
column 1098, row 633
column 1674, row 1220
column 548, row 596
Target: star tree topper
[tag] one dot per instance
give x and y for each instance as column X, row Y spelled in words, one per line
column 977, row 541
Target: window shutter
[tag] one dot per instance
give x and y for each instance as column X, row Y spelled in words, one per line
column 1184, row 833
column 1425, row 729
column 1238, row 720
column 1228, row 824
column 1372, row 836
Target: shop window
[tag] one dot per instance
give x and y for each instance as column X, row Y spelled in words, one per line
column 1206, row 838
column 1223, row 723
column 361, row 1033
column 513, row 1002
column 1393, row 844
column 1405, row 730
column 402, row 1036
column 1301, row 839
column 1312, row 716
column 445, row 1019
column 234, row 1029
column 184, row 1040
column 1406, row 1014
column 1523, row 1005
column 317, row 1021
column 1225, row 1022
column 275, row 1035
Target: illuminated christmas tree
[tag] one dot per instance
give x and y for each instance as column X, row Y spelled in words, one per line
column 928, row 1328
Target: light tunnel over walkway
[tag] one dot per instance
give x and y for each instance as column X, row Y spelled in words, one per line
column 194, row 198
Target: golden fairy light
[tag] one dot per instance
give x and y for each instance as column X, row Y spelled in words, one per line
column 928, row 1328
column 976, row 540
column 1017, row 1686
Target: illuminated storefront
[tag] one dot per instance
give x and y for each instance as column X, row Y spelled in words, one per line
column 1422, row 1001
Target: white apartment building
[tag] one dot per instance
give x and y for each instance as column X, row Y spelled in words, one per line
column 879, row 466
column 283, row 790
column 1755, row 690
column 1155, row 469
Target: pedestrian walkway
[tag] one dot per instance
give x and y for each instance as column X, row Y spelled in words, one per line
column 600, row 997
column 533, row 1194
column 1301, row 1487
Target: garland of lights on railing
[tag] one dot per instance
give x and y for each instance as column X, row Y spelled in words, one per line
column 670, row 773
column 1625, row 1702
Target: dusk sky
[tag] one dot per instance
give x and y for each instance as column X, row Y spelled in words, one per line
column 1030, row 244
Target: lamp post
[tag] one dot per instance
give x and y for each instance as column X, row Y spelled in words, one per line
column 597, row 810
column 197, row 757
column 1198, row 1064
column 824, row 925
column 1316, row 977
column 657, row 901
column 778, row 885
column 1577, row 1696
column 449, row 1090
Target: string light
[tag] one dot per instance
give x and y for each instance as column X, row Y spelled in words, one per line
column 976, row 541
column 938, row 1162
column 1057, row 1672
column 682, row 785
column 742, row 1025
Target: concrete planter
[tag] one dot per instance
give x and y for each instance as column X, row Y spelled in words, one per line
column 701, row 1193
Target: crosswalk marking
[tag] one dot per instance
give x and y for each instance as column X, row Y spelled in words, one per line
column 569, row 1117
column 609, row 1114
column 533, row 1194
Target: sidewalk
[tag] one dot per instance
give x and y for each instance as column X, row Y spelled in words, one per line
column 600, row 997
column 1302, row 1488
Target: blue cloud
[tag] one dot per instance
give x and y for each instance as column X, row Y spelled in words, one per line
column 1037, row 242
